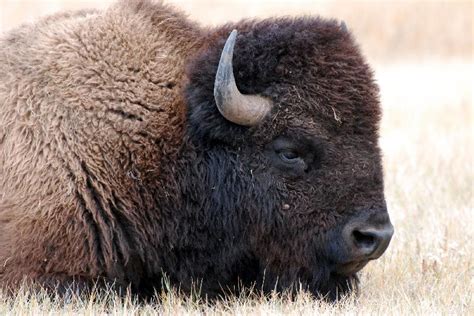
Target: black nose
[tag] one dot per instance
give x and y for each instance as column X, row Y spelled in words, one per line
column 367, row 241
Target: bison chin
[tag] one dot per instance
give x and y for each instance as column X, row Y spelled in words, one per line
column 324, row 284
column 336, row 287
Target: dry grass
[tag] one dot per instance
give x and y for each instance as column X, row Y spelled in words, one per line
column 427, row 139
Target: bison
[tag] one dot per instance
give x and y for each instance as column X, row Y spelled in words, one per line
column 136, row 144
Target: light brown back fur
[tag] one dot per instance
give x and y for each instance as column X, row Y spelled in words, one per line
column 88, row 101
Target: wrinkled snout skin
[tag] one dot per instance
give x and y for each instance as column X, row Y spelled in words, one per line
column 362, row 239
column 367, row 239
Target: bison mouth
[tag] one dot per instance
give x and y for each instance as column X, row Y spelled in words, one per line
column 350, row 268
column 341, row 279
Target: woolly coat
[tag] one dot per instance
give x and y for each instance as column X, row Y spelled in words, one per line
column 116, row 165
column 90, row 102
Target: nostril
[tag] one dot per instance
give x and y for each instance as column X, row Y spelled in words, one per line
column 364, row 240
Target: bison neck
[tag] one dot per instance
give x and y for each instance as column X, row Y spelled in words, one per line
column 203, row 227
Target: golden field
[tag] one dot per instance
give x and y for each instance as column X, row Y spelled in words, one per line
column 422, row 53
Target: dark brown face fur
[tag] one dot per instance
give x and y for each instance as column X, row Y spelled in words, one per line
column 312, row 165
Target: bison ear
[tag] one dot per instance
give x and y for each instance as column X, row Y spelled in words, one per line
column 247, row 110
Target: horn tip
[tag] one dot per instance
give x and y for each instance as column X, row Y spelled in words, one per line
column 344, row 27
column 232, row 35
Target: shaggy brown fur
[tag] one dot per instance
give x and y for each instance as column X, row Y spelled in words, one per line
column 115, row 164
column 90, row 103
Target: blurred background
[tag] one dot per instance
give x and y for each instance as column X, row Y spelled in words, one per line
column 422, row 56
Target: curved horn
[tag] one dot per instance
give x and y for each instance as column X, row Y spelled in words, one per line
column 236, row 107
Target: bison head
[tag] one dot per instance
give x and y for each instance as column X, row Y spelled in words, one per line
column 285, row 178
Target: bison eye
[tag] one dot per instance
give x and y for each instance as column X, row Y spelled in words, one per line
column 295, row 155
column 288, row 156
